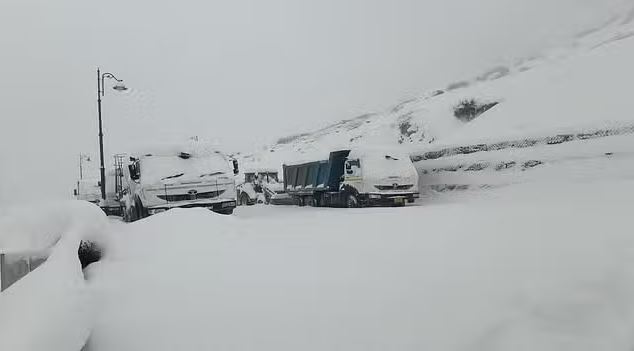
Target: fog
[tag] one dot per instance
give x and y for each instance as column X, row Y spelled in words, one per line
column 237, row 73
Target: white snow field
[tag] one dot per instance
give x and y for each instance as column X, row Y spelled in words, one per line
column 546, row 264
column 539, row 266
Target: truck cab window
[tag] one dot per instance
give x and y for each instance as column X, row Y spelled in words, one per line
column 352, row 167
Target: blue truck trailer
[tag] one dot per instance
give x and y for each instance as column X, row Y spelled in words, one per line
column 353, row 178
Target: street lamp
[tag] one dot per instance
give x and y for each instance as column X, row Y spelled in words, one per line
column 100, row 92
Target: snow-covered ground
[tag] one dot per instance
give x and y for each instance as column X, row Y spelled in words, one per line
column 537, row 266
column 542, row 264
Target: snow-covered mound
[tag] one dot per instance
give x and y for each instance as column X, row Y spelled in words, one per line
column 39, row 227
column 518, row 269
column 50, row 308
column 582, row 86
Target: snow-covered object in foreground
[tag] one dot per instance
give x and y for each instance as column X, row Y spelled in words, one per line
column 362, row 177
column 38, row 228
column 51, row 308
column 195, row 176
column 543, row 267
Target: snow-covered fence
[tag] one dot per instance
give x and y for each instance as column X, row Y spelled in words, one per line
column 14, row 266
column 522, row 143
column 483, row 166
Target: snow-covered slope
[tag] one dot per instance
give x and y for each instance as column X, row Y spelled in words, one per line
column 579, row 87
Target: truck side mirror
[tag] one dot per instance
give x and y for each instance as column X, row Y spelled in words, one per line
column 134, row 172
column 75, row 192
column 235, row 167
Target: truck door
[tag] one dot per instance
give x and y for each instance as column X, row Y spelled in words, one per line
column 352, row 174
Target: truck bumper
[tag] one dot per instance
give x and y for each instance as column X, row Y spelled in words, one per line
column 221, row 206
column 399, row 199
column 112, row 210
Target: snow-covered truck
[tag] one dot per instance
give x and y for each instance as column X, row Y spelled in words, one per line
column 261, row 186
column 353, row 178
column 158, row 181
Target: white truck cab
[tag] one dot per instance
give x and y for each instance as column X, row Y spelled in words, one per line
column 158, row 181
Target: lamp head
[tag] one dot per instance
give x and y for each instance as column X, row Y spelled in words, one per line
column 120, row 87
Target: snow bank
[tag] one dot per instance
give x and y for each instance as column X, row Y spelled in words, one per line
column 519, row 269
column 50, row 308
column 38, row 227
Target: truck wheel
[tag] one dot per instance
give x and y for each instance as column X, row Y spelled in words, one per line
column 352, row 201
column 300, row 201
column 131, row 214
column 317, row 201
column 244, row 199
column 141, row 212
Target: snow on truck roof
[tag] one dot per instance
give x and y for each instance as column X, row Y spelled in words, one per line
column 193, row 149
column 178, row 163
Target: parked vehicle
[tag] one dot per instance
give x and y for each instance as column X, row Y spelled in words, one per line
column 353, row 179
column 261, row 186
column 158, row 181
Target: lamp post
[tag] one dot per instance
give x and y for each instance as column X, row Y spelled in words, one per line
column 100, row 92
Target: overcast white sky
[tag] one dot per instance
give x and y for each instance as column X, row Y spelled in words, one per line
column 239, row 72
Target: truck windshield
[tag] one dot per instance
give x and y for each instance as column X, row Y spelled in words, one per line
column 172, row 168
column 388, row 165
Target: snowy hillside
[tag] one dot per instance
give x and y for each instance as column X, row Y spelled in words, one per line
column 584, row 86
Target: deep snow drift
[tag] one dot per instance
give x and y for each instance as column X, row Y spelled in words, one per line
column 50, row 308
column 516, row 269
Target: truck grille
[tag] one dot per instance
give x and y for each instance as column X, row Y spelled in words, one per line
column 190, row 196
column 394, row 187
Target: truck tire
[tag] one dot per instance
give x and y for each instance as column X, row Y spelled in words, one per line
column 131, row 214
column 352, row 201
column 317, row 201
column 141, row 212
column 244, row 199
